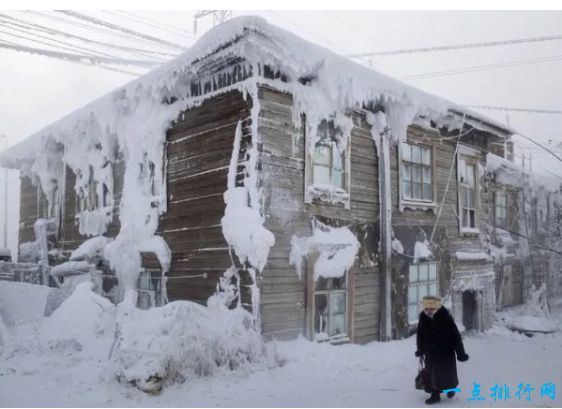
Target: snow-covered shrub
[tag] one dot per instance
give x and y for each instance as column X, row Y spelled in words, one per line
column 182, row 340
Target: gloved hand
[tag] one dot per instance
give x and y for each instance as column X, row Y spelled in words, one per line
column 418, row 353
column 463, row 357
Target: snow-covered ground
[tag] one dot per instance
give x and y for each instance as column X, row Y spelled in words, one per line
column 310, row 374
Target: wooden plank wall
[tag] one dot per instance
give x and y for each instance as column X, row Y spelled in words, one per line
column 444, row 154
column 199, row 148
column 28, row 209
column 283, row 296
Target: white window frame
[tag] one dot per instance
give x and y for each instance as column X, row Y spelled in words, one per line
column 325, row 193
column 409, row 202
column 467, row 156
column 499, row 221
column 326, row 335
column 423, row 269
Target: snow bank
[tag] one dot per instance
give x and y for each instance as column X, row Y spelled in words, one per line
column 336, row 248
column 527, row 323
column 85, row 321
column 182, row 340
column 22, row 303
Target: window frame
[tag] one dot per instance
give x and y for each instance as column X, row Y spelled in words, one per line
column 505, row 207
column 314, row 192
column 471, row 160
column 412, row 203
column 420, row 283
column 312, row 291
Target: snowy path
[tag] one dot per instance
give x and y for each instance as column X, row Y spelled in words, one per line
column 378, row 374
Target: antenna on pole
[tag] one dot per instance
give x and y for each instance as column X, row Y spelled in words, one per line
column 219, row 16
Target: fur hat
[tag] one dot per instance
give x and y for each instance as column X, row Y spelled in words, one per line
column 431, row 301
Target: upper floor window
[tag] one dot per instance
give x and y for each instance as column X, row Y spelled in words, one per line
column 328, row 165
column 467, row 194
column 416, row 172
column 501, row 209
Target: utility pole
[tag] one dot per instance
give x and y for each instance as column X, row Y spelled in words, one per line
column 219, row 16
column 5, row 195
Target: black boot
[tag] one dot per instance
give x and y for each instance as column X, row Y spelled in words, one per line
column 450, row 394
column 434, row 398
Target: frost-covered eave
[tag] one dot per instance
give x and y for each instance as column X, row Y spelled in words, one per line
column 261, row 43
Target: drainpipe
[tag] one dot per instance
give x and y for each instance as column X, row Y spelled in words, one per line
column 385, row 228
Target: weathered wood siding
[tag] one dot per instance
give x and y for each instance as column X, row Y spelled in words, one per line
column 199, row 148
column 283, row 295
column 32, row 200
column 448, row 238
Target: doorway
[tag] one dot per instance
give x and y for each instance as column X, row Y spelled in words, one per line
column 469, row 310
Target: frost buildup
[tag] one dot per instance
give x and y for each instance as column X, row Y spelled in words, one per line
column 242, row 224
column 335, row 249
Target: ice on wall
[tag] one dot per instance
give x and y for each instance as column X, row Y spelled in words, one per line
column 90, row 248
column 422, row 251
column 335, row 249
column 130, row 123
column 242, row 224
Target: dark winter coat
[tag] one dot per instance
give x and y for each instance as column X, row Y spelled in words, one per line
column 438, row 339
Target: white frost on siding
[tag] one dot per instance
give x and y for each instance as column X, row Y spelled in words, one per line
column 422, row 251
column 468, row 256
column 336, row 248
column 397, row 246
column 90, row 248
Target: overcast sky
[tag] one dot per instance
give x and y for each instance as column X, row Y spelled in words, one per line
column 37, row 90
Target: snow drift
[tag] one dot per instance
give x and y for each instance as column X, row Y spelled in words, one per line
column 182, row 340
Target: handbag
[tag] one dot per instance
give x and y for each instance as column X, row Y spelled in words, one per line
column 422, row 381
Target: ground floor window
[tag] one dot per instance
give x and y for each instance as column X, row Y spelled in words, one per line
column 423, row 281
column 330, row 308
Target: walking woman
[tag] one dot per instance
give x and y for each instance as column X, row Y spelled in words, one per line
column 438, row 340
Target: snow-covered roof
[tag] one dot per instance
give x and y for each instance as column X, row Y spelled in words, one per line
column 259, row 42
column 241, row 54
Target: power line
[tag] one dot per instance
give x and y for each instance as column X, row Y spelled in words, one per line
column 151, row 23
column 341, row 20
column 529, row 110
column 54, row 32
column 75, row 58
column 116, row 27
column 485, row 67
column 44, row 40
column 70, row 57
column 542, row 146
column 458, row 46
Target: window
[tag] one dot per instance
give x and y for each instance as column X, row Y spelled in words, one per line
column 423, row 281
column 467, row 194
column 501, row 209
column 416, row 172
column 330, row 308
column 328, row 165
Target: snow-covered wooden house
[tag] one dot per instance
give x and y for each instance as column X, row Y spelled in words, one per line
column 524, row 230
column 262, row 171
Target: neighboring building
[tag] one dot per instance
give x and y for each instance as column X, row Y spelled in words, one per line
column 262, row 171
